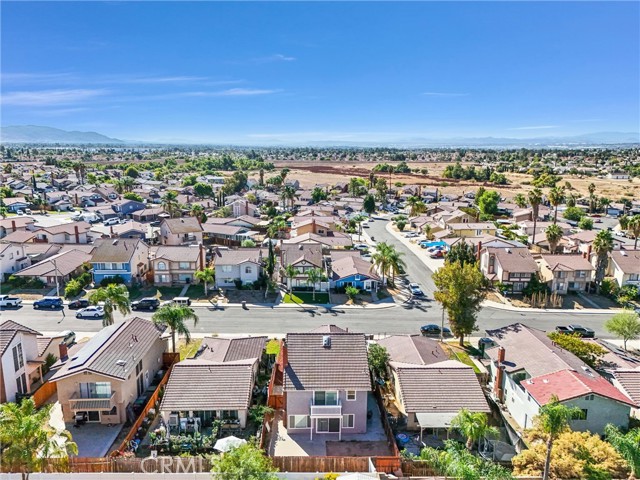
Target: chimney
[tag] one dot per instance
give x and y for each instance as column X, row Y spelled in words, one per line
column 13, row 225
column 63, row 350
column 77, row 232
column 497, row 382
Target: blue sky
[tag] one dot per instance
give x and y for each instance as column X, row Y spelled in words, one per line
column 259, row 73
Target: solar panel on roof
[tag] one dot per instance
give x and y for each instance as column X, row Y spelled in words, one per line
column 93, row 345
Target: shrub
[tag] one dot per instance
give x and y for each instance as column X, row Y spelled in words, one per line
column 351, row 292
column 73, row 288
column 609, row 288
column 115, row 280
column 401, row 224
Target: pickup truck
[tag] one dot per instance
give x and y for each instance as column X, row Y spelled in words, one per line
column 579, row 330
column 7, row 301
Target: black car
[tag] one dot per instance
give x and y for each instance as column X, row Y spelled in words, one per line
column 48, row 302
column 78, row 304
column 433, row 329
column 584, row 332
column 149, row 303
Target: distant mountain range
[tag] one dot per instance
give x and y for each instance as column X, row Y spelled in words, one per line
column 37, row 134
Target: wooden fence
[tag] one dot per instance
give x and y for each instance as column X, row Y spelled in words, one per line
column 321, row 464
column 169, row 359
column 42, row 394
column 391, row 439
column 416, row 468
column 275, row 394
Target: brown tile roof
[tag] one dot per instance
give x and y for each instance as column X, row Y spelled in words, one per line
column 341, row 366
column 222, row 229
column 183, row 225
column 202, row 385
column 329, row 329
column 567, row 263
column 447, row 386
column 514, row 259
column 44, row 342
column 221, row 350
column 352, row 265
column 8, row 330
column 293, row 254
column 627, row 260
column 66, row 262
column 336, row 239
column 114, row 351
column 69, row 228
column 241, row 255
column 630, row 382
column 119, row 250
column 413, row 349
column 176, row 253
column 19, row 236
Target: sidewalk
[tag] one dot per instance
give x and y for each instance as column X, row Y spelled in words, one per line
column 433, row 264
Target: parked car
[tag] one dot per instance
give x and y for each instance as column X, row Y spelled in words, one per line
column 7, row 301
column 111, row 221
column 184, row 301
column 574, row 329
column 28, row 211
column 361, row 246
column 485, row 343
column 437, row 254
column 433, row 329
column 69, row 337
column 94, row 311
column 77, row 304
column 48, row 302
column 149, row 303
column 415, row 290
column 411, row 235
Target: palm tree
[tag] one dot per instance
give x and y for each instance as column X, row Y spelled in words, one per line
column 396, row 264
column 554, row 234
column 175, row 317
column 474, row 426
column 290, row 272
column 28, row 439
column 381, row 259
column 554, row 419
column 414, row 201
column 634, row 227
column 113, row 297
column 276, row 227
column 556, row 197
column 535, row 199
column 169, row 203
column 127, row 183
column 427, row 232
column 602, row 246
column 592, row 191
column 314, row 276
column 520, row 200
column 288, row 194
column 207, row 275
column 197, row 211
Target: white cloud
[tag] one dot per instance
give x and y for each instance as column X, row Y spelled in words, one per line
column 45, row 98
column 277, row 57
column 231, row 92
column 535, row 127
column 444, row 94
column 35, row 77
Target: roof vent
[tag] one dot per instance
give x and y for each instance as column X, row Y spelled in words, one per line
column 121, row 363
column 508, row 250
column 326, row 341
column 545, row 380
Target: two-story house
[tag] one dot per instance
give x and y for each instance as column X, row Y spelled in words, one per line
column 624, row 266
column 582, row 242
column 513, row 267
column 180, row 231
column 471, row 229
column 565, row 273
column 125, row 207
column 176, row 265
column 110, row 371
column 127, row 258
column 302, row 257
column 75, row 232
column 243, row 265
column 12, row 259
column 20, row 369
column 527, row 368
column 16, row 224
column 326, row 383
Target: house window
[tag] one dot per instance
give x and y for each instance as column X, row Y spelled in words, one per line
column 348, row 420
column 247, row 270
column 114, row 266
column 229, row 414
column 162, row 266
column 95, row 390
column 331, row 425
column 589, row 397
column 492, row 264
column 581, row 273
column 226, row 268
column 299, row 421
column 21, row 384
column 634, row 277
column 18, row 358
column 584, row 414
column 139, row 368
column 184, row 265
column 351, row 394
column 325, row 398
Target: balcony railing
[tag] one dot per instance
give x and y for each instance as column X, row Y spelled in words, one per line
column 322, row 410
column 79, row 404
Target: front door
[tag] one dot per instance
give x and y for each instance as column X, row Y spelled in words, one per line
column 93, row 417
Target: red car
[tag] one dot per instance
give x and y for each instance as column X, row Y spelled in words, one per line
column 437, row 254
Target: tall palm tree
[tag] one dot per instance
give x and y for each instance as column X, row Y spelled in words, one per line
column 554, row 419
column 416, row 205
column 634, row 227
column 197, row 211
column 314, row 276
column 113, row 297
column 290, row 272
column 288, row 195
column 554, row 234
column 592, row 191
column 535, row 199
column 276, row 227
column 381, row 259
column 602, row 246
column 396, row 264
column 556, row 197
column 128, row 183
column 175, row 317
column 207, row 276
column 28, row 439
column 170, row 203
column 474, row 426
column 520, row 200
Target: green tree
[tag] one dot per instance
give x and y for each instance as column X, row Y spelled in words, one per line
column 369, row 204
column 378, row 359
column 112, row 297
column 554, row 235
column 246, row 462
column 351, row 292
column 461, row 290
column 573, row 213
column 535, row 199
column 288, row 195
column 28, row 439
column 248, row 243
column 416, row 206
column 290, row 272
column 133, row 196
column 315, row 276
column 462, row 252
column 625, row 325
column 488, row 203
column 170, row 203
column 633, row 227
column 474, row 426
column 197, row 211
column 556, row 197
column 602, row 247
column 175, row 317
column 132, row 172
column 381, row 190
column 520, row 200
column 428, row 233
column 356, row 186
column 318, row 194
column 203, row 190
column 589, row 352
column 585, row 223
column 207, row 275
column 401, row 224
column 592, row 202
column 627, row 445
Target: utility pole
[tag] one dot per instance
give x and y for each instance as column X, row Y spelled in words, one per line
column 56, row 272
column 442, row 326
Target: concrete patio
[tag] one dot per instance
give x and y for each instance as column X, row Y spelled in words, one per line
column 374, row 441
column 93, row 439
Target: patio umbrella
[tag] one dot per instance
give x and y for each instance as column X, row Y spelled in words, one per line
column 359, row 476
column 228, row 443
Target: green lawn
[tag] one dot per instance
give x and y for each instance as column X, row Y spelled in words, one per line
column 195, row 292
column 188, row 350
column 464, row 357
column 306, row 297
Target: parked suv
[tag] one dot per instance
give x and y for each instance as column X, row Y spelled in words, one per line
column 149, row 303
column 48, row 302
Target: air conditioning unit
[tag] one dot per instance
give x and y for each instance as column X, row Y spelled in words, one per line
column 174, row 420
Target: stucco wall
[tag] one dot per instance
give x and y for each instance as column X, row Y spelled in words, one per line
column 299, row 403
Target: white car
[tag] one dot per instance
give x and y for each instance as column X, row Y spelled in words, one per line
column 411, row 235
column 362, row 247
column 90, row 312
column 415, row 290
column 111, row 221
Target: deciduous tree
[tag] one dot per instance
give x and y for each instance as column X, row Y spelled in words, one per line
column 625, row 325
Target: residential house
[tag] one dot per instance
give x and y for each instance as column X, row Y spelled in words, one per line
column 180, row 231
column 58, row 269
column 312, row 225
column 242, row 206
column 127, row 258
column 75, row 232
column 12, row 259
column 176, row 265
column 526, row 228
column 243, row 265
column 330, row 241
column 16, row 203
column 565, row 273
column 527, row 368
column 126, row 208
column 429, row 389
column 624, row 267
column 110, row 371
column 326, row 383
column 627, row 380
column 217, row 384
column 20, row 369
column 303, row 258
column 582, row 242
column 16, row 224
column 147, row 215
column 349, row 269
column 469, row 229
column 224, row 234
column 513, row 267
column 59, row 201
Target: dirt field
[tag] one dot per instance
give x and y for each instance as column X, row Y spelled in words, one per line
column 311, row 174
